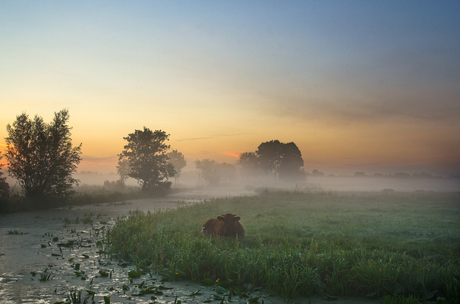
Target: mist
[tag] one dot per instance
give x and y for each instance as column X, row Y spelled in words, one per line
column 315, row 181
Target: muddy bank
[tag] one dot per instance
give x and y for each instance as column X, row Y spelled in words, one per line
column 48, row 256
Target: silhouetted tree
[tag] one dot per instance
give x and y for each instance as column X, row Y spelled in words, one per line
column 177, row 159
column 123, row 170
column 207, row 170
column 249, row 163
column 4, row 187
column 269, row 155
column 317, row 173
column 291, row 167
column 282, row 159
column 41, row 156
column 148, row 162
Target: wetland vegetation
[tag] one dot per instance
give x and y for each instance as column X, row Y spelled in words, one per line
column 372, row 244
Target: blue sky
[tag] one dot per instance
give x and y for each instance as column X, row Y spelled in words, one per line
column 357, row 85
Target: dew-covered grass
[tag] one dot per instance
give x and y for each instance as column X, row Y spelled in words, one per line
column 318, row 243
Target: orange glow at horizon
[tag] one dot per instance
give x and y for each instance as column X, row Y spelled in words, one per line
column 234, row 154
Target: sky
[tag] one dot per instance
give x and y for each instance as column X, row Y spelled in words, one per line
column 370, row 86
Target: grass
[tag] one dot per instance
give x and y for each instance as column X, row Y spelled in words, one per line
column 74, row 296
column 321, row 243
column 84, row 195
column 45, row 276
column 17, row 232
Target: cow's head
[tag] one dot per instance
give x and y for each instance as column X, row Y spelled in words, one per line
column 229, row 227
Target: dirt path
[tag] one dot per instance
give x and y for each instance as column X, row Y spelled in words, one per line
column 34, row 269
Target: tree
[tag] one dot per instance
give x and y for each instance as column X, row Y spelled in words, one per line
column 269, row 155
column 214, row 173
column 317, row 173
column 177, row 159
column 207, row 170
column 147, row 159
column 281, row 159
column 249, row 163
column 123, row 170
column 41, row 156
column 4, row 187
column 291, row 166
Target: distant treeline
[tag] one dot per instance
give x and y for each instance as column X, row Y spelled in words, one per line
column 41, row 158
column 421, row 175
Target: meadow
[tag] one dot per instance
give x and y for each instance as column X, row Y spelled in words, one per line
column 84, row 195
column 369, row 244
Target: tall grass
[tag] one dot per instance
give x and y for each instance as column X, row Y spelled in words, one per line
column 84, row 195
column 368, row 244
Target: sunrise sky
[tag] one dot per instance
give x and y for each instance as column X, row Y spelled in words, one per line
column 369, row 86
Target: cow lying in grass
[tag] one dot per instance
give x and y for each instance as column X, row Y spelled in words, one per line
column 225, row 225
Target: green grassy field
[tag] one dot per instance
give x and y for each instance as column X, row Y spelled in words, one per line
column 303, row 244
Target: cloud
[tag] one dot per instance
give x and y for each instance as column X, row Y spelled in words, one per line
column 210, row 137
column 364, row 86
column 99, row 164
column 194, row 139
column 99, row 159
column 234, row 154
column 353, row 102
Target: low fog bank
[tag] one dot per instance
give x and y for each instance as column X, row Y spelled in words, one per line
column 244, row 184
column 329, row 183
column 386, row 183
column 335, row 183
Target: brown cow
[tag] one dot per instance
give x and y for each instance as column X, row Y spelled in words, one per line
column 225, row 225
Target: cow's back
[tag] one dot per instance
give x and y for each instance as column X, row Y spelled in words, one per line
column 237, row 229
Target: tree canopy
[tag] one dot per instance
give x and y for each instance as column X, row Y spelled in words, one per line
column 41, row 156
column 4, row 187
column 177, row 159
column 147, row 159
column 214, row 173
column 283, row 160
column 123, row 170
column 207, row 170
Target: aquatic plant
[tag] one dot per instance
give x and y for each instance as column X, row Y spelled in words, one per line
column 17, row 232
column 74, row 296
column 45, row 276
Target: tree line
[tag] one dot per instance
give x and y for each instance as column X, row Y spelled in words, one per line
column 42, row 158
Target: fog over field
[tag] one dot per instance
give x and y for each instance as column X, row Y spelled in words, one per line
column 404, row 183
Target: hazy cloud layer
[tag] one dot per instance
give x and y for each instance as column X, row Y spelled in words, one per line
column 210, row 137
column 352, row 83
